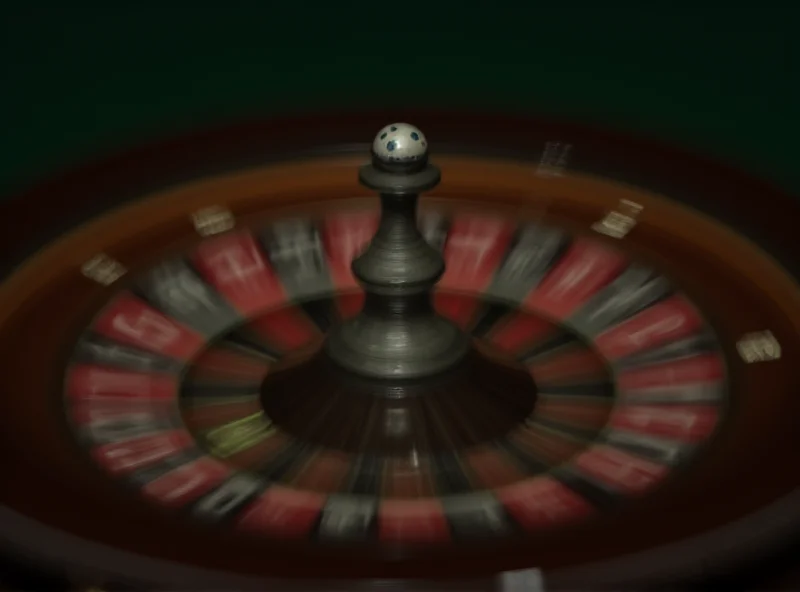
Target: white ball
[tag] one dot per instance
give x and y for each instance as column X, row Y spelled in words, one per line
column 400, row 142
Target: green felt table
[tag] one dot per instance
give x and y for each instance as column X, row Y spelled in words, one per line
column 84, row 79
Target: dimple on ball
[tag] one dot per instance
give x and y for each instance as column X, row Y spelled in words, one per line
column 400, row 142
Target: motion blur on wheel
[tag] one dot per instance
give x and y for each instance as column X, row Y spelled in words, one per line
column 347, row 348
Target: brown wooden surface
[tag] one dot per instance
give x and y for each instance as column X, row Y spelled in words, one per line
column 45, row 304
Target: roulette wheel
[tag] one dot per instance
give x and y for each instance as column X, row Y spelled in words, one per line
column 442, row 354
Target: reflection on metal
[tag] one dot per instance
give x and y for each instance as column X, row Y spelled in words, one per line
column 103, row 269
column 213, row 220
column 397, row 422
column 759, row 347
column 554, row 159
column 526, row 580
column 619, row 222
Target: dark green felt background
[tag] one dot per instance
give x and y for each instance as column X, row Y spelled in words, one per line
column 81, row 79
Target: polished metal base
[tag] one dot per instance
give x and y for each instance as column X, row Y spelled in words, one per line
column 407, row 342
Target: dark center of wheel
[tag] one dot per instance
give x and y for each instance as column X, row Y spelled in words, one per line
column 398, row 378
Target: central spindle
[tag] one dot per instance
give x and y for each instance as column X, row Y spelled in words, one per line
column 398, row 334
column 398, row 380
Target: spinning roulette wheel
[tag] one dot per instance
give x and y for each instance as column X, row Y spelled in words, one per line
column 279, row 353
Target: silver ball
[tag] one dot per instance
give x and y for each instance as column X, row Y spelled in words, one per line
column 400, row 142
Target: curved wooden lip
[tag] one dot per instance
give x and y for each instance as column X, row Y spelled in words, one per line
column 769, row 264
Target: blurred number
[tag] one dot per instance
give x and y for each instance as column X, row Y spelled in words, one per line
column 103, row 269
column 759, row 347
column 213, row 220
column 554, row 159
column 619, row 222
